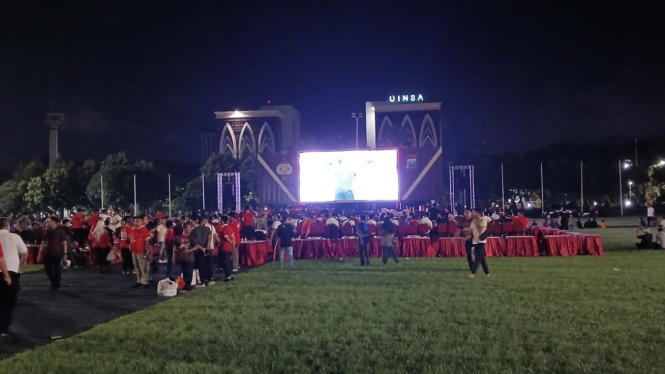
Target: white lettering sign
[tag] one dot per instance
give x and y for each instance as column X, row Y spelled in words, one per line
column 405, row 98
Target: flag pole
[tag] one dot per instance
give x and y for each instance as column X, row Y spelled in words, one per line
column 620, row 190
column 101, row 182
column 169, row 195
column 582, row 186
column 203, row 189
column 542, row 190
column 135, row 211
column 503, row 197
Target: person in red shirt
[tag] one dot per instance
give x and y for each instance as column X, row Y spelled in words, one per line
column 140, row 237
column 126, row 234
column 227, row 248
column 306, row 226
column 102, row 241
column 93, row 219
column 184, row 256
column 78, row 232
column 247, row 220
column 235, row 226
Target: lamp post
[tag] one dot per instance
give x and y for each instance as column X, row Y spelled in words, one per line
column 358, row 117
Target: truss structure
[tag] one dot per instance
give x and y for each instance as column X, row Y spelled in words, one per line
column 235, row 178
column 472, row 185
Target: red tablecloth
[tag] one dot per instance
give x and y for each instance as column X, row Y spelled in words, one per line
column 417, row 247
column 521, row 246
column 549, row 231
column 346, row 247
column 590, row 245
column 375, row 249
column 561, row 245
column 452, row 247
column 312, row 248
column 253, row 253
column 495, row 246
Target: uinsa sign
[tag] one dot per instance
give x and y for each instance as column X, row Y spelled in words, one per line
column 405, row 98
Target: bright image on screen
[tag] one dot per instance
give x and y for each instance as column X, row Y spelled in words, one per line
column 348, row 176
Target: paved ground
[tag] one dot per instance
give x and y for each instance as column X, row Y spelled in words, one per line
column 86, row 299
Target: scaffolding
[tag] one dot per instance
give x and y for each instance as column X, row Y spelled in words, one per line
column 235, row 178
column 472, row 186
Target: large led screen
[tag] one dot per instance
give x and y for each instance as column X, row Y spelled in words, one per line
column 348, row 176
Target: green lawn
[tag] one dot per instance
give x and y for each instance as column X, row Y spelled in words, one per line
column 534, row 315
column 25, row 269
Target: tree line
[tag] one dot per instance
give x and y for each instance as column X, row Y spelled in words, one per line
column 68, row 185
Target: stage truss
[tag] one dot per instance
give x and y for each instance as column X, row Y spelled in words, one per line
column 235, row 177
column 472, row 185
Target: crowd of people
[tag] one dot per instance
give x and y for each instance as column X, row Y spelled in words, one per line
column 201, row 246
column 647, row 240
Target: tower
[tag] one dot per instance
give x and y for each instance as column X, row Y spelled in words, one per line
column 53, row 121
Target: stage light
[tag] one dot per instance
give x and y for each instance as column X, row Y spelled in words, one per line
column 630, row 183
column 595, row 203
column 236, row 114
column 528, row 205
column 628, row 202
column 662, row 163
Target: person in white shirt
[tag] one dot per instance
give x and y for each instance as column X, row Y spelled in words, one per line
column 651, row 215
column 495, row 216
column 161, row 237
column 477, row 255
column 115, row 221
column 660, row 239
column 332, row 221
column 14, row 252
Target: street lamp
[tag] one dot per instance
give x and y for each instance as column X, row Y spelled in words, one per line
column 630, row 189
column 662, row 163
column 623, row 165
column 359, row 116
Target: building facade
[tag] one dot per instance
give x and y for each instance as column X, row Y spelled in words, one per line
column 247, row 133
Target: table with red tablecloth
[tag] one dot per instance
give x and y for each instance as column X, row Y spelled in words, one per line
column 525, row 246
column 417, row 247
column 495, row 246
column 375, row 249
column 560, row 245
column 253, row 253
column 550, row 231
column 312, row 248
column 452, row 247
column 346, row 247
column 591, row 245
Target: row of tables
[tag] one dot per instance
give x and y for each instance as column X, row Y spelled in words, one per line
column 546, row 241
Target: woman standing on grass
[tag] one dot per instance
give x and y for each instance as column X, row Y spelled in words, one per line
column 387, row 236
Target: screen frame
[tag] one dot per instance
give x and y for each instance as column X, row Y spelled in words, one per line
column 351, row 201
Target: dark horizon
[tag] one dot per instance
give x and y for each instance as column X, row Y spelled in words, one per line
column 143, row 79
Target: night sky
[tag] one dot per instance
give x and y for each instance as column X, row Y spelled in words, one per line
column 145, row 77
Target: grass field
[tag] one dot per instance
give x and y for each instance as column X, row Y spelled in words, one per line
column 534, row 315
column 25, row 269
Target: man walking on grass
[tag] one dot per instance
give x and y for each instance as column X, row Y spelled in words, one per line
column 479, row 232
column 140, row 238
column 53, row 252
column 12, row 252
column 199, row 240
column 227, row 243
column 286, row 232
column 363, row 240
